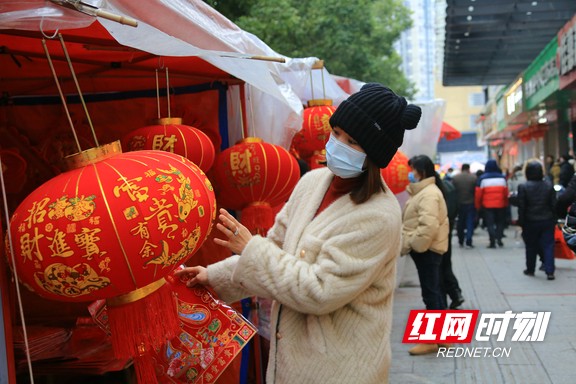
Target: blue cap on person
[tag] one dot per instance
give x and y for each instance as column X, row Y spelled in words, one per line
column 376, row 118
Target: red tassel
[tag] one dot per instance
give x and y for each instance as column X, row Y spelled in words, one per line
column 258, row 217
column 141, row 325
column 144, row 367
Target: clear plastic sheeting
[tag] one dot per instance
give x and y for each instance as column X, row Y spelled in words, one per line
column 41, row 15
column 277, row 91
column 423, row 140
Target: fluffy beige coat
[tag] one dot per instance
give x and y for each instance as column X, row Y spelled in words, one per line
column 332, row 278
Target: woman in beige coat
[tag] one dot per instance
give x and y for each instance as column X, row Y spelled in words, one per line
column 425, row 231
column 329, row 261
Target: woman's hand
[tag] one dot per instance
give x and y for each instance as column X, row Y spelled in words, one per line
column 237, row 234
column 193, row 275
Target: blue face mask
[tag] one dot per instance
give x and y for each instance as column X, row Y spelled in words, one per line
column 411, row 177
column 343, row 160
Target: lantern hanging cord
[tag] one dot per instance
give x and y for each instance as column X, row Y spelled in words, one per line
column 62, row 97
column 168, row 92
column 91, row 10
column 311, row 84
column 251, row 111
column 158, row 94
column 78, row 89
column 13, row 260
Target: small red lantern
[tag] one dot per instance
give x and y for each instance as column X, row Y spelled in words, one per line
column 312, row 138
column 112, row 228
column 254, row 176
column 396, row 173
column 172, row 136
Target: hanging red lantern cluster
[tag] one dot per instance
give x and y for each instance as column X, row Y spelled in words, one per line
column 396, row 173
column 172, row 136
column 310, row 141
column 254, row 176
column 112, row 228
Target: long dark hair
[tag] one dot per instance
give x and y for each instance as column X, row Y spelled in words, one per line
column 371, row 184
column 425, row 167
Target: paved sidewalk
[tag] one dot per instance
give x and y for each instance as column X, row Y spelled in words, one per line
column 492, row 281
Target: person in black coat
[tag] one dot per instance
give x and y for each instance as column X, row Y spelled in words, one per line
column 566, row 170
column 566, row 198
column 537, row 217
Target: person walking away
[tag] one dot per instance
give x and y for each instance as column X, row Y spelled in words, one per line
column 465, row 185
column 516, row 178
column 329, row 260
column 491, row 196
column 536, row 216
column 552, row 170
column 425, row 234
column 566, row 170
column 449, row 285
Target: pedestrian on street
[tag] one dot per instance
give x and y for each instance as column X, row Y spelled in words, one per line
column 465, row 185
column 329, row 261
column 566, row 169
column 516, row 178
column 449, row 284
column 536, row 216
column 491, row 196
column 425, row 230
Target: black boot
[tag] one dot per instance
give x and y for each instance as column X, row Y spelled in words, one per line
column 457, row 300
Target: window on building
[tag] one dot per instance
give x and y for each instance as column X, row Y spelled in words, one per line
column 476, row 99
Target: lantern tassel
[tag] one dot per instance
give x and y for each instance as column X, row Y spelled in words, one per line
column 258, row 217
column 144, row 367
column 142, row 320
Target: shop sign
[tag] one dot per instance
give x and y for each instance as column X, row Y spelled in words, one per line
column 500, row 115
column 567, row 53
column 541, row 77
column 513, row 100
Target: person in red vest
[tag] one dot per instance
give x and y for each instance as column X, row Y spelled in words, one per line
column 491, row 195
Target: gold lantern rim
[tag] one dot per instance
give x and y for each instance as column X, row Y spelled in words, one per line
column 93, row 155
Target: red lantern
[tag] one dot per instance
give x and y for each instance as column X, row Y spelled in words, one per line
column 172, row 136
column 396, row 173
column 317, row 160
column 113, row 228
column 253, row 176
column 316, row 128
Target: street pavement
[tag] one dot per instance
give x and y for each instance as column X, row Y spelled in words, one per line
column 492, row 280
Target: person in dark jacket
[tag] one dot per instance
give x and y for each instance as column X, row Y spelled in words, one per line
column 566, row 169
column 465, row 185
column 566, row 198
column 491, row 196
column 449, row 285
column 536, row 216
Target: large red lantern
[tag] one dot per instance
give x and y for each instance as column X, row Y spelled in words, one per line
column 396, row 173
column 112, row 228
column 172, row 136
column 312, row 138
column 253, row 176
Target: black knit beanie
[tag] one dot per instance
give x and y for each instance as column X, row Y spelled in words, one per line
column 376, row 118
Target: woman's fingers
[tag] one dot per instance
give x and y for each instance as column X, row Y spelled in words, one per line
column 193, row 275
